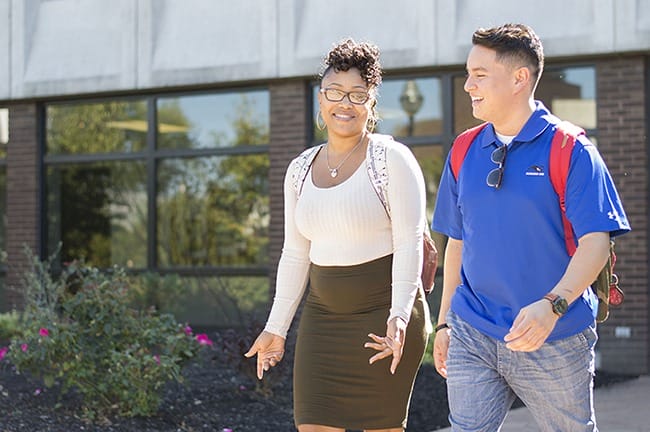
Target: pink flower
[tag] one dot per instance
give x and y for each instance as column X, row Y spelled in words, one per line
column 203, row 339
column 37, row 392
column 188, row 330
column 3, row 352
column 226, row 430
column 44, row 332
column 24, row 347
column 157, row 358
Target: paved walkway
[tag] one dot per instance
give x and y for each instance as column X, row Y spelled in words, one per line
column 622, row 407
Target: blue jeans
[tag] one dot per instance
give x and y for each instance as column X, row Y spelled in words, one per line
column 484, row 378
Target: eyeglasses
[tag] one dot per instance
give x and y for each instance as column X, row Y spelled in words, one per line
column 355, row 97
column 495, row 177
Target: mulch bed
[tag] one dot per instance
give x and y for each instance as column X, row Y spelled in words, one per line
column 217, row 396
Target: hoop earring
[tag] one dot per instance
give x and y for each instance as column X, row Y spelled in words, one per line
column 319, row 118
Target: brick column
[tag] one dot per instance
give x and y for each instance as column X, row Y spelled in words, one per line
column 289, row 136
column 623, row 142
column 23, row 174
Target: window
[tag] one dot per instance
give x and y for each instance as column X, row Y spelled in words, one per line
column 104, row 127
column 213, row 208
column 213, row 211
column 98, row 211
column 463, row 118
column 407, row 108
column 96, row 202
column 175, row 184
column 570, row 94
column 410, row 107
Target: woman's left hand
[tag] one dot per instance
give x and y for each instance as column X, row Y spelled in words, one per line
column 391, row 344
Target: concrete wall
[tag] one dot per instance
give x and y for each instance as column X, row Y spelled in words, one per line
column 69, row 47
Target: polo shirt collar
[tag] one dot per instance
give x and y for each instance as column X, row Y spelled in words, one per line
column 536, row 124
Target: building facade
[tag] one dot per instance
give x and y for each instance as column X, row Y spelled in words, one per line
column 154, row 134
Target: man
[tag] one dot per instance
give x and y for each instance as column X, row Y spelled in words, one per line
column 517, row 314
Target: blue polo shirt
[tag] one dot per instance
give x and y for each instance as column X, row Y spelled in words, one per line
column 513, row 241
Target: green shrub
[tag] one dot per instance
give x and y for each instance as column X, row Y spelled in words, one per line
column 80, row 332
column 9, row 325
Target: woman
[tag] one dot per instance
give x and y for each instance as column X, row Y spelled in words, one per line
column 362, row 263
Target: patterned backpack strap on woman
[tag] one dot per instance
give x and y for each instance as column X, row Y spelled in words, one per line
column 377, row 170
column 301, row 167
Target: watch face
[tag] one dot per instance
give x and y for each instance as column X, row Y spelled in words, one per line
column 560, row 306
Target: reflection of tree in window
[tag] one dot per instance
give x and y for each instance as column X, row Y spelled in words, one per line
column 214, row 210
column 85, row 222
column 107, row 127
column 173, row 126
column 97, row 210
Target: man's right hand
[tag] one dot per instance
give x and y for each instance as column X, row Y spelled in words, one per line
column 269, row 349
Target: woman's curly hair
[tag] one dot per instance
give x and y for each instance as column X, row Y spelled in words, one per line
column 363, row 56
column 350, row 54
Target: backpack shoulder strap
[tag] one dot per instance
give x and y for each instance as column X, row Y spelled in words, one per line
column 300, row 167
column 460, row 147
column 562, row 145
column 377, row 167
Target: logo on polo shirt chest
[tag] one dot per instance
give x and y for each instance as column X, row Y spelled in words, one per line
column 535, row 171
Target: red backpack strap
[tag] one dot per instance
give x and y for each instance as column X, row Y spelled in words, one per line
column 562, row 145
column 460, row 147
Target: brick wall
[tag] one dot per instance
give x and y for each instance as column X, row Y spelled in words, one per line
column 22, row 195
column 623, row 142
column 289, row 136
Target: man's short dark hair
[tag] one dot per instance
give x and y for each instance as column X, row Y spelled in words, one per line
column 514, row 43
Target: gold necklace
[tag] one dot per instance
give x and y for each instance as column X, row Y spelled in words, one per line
column 335, row 171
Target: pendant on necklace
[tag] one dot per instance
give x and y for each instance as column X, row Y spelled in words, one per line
column 334, row 172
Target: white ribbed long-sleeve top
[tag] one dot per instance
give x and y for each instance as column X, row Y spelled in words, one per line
column 347, row 225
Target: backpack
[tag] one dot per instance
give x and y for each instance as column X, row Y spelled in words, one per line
column 606, row 284
column 377, row 171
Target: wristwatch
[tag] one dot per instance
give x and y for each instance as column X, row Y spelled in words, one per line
column 559, row 304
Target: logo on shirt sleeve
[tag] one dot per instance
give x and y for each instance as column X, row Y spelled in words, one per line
column 535, row 170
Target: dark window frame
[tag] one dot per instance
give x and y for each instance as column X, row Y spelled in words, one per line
column 151, row 157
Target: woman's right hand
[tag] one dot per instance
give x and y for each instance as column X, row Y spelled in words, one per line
column 269, row 349
column 440, row 348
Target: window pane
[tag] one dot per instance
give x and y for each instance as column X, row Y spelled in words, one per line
column 118, row 126
column 410, row 107
column 570, row 94
column 397, row 97
column 231, row 301
column 463, row 118
column 99, row 212
column 217, row 120
column 4, row 132
column 431, row 159
column 213, row 211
